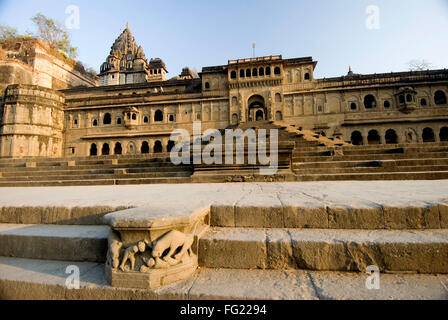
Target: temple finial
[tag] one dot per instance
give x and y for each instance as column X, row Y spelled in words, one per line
column 127, row 25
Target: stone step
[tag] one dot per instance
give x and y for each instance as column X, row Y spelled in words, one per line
column 85, row 165
column 384, row 156
column 325, row 250
column 54, row 242
column 359, row 151
column 416, row 175
column 77, row 171
column 40, row 279
column 94, row 182
column 78, row 176
column 369, row 169
column 371, row 163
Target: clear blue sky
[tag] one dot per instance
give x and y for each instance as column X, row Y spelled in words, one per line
column 199, row 33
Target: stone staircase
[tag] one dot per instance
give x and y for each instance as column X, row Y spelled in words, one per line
column 106, row 170
column 249, row 252
column 427, row 161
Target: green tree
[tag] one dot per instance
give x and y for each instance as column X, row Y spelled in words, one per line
column 54, row 33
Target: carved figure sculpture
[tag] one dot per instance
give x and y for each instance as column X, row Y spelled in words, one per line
column 129, row 254
column 171, row 241
column 113, row 254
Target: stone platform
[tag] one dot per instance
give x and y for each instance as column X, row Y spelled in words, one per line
column 310, row 240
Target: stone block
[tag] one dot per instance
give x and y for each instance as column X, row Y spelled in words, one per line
column 355, row 218
column 298, row 217
column 30, row 165
column 222, row 216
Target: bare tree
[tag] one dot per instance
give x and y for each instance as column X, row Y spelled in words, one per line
column 419, row 65
column 54, row 33
column 8, row 32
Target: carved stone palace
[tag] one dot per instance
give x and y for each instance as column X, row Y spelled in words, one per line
column 135, row 107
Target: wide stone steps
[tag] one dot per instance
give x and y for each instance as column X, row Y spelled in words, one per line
column 415, row 175
column 422, row 251
column 369, row 163
column 372, row 157
column 54, row 242
column 77, row 176
column 93, row 182
column 369, row 169
column 40, row 279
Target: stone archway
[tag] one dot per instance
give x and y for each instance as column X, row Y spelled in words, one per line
column 256, row 110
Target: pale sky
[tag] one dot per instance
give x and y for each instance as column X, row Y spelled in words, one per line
column 200, row 33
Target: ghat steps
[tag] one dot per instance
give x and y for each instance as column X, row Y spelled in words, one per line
column 303, row 156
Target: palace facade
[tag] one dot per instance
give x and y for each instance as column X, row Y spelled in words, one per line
column 135, row 108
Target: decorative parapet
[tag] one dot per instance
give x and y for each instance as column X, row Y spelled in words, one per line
column 151, row 247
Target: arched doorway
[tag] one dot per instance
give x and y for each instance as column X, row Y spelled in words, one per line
column 158, row 148
column 443, row 134
column 93, row 150
column 118, row 149
column 373, row 137
column 145, row 147
column 105, row 150
column 256, row 110
column 356, row 138
column 391, row 137
column 428, row 135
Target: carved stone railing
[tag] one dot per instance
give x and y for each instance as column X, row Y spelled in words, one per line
column 148, row 249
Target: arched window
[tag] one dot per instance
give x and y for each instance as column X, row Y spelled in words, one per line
column 278, row 116
column 261, row 72
column 278, row 97
column 428, row 135
column 254, row 72
column 118, row 120
column 145, row 147
column 207, row 86
column 307, row 76
column 401, row 98
column 170, row 145
column 93, row 150
column 118, row 149
column 439, row 97
column 233, row 75
column 373, row 137
column 369, row 102
column 234, row 118
column 248, row 73
column 423, row 102
column 409, row 98
column 134, row 116
column 105, row 150
column 353, row 106
column 268, row 71
column 95, row 123
column 234, row 101
column 277, row 71
column 386, row 104
column 241, row 73
column 158, row 147
column 158, row 116
column 356, row 138
column 391, row 137
column 444, row 134
column 171, row 118
column 145, row 119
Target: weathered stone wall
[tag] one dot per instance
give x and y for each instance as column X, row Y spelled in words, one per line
column 32, row 122
column 30, row 61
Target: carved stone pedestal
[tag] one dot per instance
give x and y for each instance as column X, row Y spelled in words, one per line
column 149, row 248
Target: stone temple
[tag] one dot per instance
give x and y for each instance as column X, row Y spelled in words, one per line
column 326, row 225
